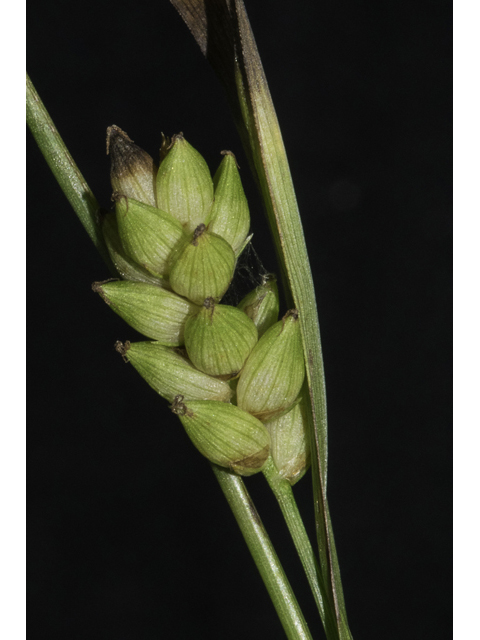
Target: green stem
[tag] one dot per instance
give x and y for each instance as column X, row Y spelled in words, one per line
column 283, row 493
column 263, row 554
column 63, row 167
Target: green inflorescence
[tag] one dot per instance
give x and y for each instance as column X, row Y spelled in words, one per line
column 233, row 375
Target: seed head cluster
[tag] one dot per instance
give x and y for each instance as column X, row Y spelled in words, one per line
column 231, row 373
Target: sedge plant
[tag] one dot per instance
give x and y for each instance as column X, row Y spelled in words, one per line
column 246, row 383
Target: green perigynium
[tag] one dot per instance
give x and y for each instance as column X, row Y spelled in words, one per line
column 274, row 372
column 126, row 266
column 148, row 235
column 219, row 339
column 133, row 171
column 290, row 449
column 230, row 216
column 170, row 373
column 184, row 184
column 155, row 312
column 262, row 304
column 202, row 266
column 225, row 434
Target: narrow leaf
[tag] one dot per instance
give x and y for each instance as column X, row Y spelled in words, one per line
column 223, row 32
column 63, row 167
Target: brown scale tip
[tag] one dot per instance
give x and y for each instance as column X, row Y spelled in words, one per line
column 124, row 153
column 97, row 287
column 177, row 136
column 122, row 348
column 115, row 135
column 268, row 277
column 291, row 312
column 117, row 196
column 209, row 303
column 197, row 233
column 164, row 147
column 179, row 408
column 230, row 153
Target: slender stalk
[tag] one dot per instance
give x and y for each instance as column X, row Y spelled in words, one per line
column 263, row 554
column 286, row 500
column 63, row 167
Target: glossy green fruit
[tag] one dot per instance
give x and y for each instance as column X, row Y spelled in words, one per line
column 148, row 234
column 274, row 372
column 170, row 373
column 225, row 434
column 290, row 448
column 262, row 304
column 230, row 216
column 202, row 267
column 219, row 339
column 155, row 312
column 132, row 171
column 184, row 184
column 126, row 266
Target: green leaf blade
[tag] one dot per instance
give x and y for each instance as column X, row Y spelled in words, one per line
column 223, row 32
column 66, row 172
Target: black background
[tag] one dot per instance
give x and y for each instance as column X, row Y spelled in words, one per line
column 129, row 534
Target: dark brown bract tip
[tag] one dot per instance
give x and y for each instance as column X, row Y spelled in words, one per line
column 269, row 277
column 179, row 408
column 176, row 137
column 97, row 288
column 291, row 312
column 197, row 233
column 230, row 153
column 164, row 147
column 114, row 133
column 126, row 156
column 122, row 348
column 117, row 196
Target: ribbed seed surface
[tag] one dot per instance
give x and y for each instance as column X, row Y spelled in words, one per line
column 203, row 270
column 184, row 185
column 261, row 305
column 227, row 436
column 148, row 235
column 230, row 216
column 274, row 372
column 126, row 266
column 156, row 313
column 219, row 339
column 290, row 443
column 170, row 374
